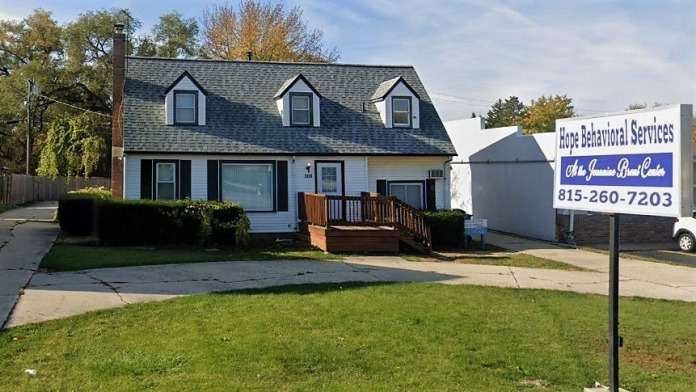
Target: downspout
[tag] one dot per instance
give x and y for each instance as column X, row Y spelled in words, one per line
column 447, row 196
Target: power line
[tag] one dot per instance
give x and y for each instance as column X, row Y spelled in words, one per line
column 471, row 102
column 73, row 106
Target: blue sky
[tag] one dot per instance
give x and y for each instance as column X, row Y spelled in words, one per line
column 604, row 54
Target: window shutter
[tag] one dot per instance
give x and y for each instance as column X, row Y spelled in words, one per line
column 282, row 191
column 382, row 187
column 430, row 194
column 146, row 178
column 185, row 179
column 213, row 191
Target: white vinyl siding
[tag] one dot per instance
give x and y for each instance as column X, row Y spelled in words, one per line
column 359, row 172
column 405, row 168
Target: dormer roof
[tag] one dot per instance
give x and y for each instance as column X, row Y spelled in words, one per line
column 242, row 116
column 185, row 74
column 387, row 86
column 291, row 82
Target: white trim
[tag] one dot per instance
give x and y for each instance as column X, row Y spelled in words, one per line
column 157, row 180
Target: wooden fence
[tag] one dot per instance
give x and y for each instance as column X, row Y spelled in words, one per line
column 19, row 188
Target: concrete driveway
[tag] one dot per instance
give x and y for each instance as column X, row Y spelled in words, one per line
column 56, row 295
column 25, row 237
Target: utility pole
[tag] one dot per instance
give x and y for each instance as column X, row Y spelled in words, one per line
column 29, row 120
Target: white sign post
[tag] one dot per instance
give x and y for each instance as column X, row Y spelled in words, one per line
column 637, row 162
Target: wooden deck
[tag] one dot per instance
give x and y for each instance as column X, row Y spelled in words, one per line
column 354, row 238
column 369, row 223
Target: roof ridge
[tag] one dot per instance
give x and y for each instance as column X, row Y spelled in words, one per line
column 271, row 62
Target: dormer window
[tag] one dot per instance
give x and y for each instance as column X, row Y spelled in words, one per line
column 298, row 103
column 185, row 102
column 185, row 107
column 300, row 109
column 398, row 104
column 401, row 112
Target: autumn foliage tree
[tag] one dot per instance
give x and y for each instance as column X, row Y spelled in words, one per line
column 268, row 30
column 542, row 114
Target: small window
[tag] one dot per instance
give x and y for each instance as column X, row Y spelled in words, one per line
column 185, row 107
column 250, row 185
column 300, row 109
column 166, row 181
column 409, row 193
column 329, row 179
column 401, row 111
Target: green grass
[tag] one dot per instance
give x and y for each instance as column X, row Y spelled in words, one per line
column 507, row 259
column 4, row 207
column 356, row 337
column 66, row 257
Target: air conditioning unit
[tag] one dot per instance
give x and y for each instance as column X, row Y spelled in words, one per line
column 436, row 173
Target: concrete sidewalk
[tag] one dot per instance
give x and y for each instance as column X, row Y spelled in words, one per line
column 22, row 246
column 635, row 271
column 56, row 295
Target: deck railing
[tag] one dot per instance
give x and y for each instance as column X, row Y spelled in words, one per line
column 372, row 209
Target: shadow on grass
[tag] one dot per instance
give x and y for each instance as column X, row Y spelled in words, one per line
column 307, row 288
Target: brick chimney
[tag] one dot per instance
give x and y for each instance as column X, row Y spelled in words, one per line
column 119, row 62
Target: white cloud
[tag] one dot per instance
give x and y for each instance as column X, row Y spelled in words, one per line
column 603, row 56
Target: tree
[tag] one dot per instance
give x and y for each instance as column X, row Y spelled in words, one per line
column 506, row 113
column 70, row 64
column 636, row 106
column 543, row 112
column 174, row 36
column 75, row 145
column 270, row 31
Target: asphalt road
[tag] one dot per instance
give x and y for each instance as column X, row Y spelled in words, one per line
column 669, row 256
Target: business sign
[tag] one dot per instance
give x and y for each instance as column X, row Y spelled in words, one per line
column 637, row 162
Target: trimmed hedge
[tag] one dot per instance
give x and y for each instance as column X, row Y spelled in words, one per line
column 446, row 227
column 145, row 222
column 76, row 210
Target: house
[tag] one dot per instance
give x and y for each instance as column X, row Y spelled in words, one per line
column 260, row 133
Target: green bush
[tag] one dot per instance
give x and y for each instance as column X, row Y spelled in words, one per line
column 76, row 210
column 140, row 222
column 446, row 227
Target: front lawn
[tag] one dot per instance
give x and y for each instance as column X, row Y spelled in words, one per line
column 356, row 337
column 66, row 257
column 506, row 259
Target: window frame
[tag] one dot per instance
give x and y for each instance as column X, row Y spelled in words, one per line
column 410, row 112
column 195, row 106
column 423, row 196
column 310, row 97
column 274, row 181
column 173, row 182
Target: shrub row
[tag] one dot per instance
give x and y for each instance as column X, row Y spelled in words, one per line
column 446, row 227
column 144, row 222
column 77, row 210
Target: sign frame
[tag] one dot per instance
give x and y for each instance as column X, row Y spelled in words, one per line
column 680, row 193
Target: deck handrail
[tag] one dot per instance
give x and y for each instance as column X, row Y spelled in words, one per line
column 326, row 210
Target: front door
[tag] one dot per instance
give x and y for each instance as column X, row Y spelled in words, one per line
column 330, row 182
column 329, row 178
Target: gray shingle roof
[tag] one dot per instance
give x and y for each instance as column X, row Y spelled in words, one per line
column 242, row 117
